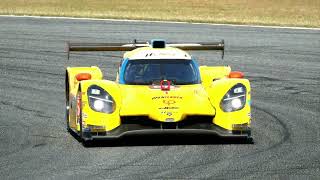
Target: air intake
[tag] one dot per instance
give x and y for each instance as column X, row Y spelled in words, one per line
column 158, row 43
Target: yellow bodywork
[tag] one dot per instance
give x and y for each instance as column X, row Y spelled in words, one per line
column 158, row 105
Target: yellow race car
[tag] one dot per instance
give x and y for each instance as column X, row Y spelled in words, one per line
column 159, row 88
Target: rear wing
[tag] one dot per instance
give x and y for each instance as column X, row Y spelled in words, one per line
column 154, row 43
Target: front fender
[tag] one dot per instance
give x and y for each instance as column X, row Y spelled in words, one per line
column 71, row 72
column 71, row 90
column 98, row 121
column 229, row 120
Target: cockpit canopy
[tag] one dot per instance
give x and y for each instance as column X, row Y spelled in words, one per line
column 149, row 72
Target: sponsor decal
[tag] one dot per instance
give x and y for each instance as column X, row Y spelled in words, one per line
column 95, row 91
column 169, row 102
column 166, row 54
column 168, row 113
column 238, row 90
column 166, row 97
column 78, row 106
column 84, row 115
column 169, row 108
column 73, row 102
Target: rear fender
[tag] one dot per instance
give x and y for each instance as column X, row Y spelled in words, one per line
column 98, row 121
column 210, row 73
column 228, row 120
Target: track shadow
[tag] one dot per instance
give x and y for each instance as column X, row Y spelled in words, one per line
column 165, row 140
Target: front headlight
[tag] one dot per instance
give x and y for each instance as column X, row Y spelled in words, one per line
column 100, row 100
column 234, row 99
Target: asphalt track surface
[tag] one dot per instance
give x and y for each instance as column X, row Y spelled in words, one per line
column 282, row 64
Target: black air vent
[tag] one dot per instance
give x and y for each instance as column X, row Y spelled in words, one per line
column 158, row 43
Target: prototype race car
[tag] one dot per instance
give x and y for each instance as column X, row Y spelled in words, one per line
column 159, row 88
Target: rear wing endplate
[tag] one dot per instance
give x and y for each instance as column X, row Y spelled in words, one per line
column 205, row 46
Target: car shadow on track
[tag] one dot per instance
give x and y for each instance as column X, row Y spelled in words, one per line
column 165, row 140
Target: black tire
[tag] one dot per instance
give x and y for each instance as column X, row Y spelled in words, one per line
column 67, row 101
column 86, row 142
column 67, row 118
column 249, row 139
column 80, row 114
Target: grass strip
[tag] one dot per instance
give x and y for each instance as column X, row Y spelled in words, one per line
column 303, row 13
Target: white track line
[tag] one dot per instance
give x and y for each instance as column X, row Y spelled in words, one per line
column 173, row 22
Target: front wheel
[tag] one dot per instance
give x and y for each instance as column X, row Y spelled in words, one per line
column 249, row 139
column 84, row 133
column 67, row 113
column 67, row 118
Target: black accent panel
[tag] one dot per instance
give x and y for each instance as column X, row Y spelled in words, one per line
column 192, row 125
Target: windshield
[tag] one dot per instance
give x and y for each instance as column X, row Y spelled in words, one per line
column 148, row 72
